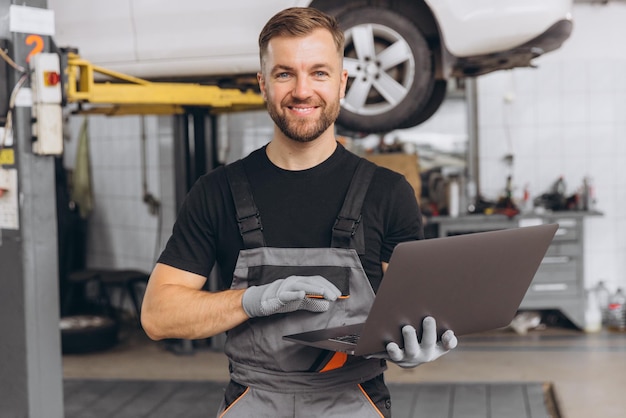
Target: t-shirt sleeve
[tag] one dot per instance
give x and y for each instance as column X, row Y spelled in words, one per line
column 404, row 222
column 191, row 245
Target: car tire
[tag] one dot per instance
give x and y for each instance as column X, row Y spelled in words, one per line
column 433, row 102
column 87, row 333
column 391, row 75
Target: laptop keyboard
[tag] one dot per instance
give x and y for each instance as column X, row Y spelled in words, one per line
column 347, row 339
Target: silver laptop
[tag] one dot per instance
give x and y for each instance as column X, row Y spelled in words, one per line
column 468, row 283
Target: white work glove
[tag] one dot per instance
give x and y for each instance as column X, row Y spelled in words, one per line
column 415, row 353
column 310, row 293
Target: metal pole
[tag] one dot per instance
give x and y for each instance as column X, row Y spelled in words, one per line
column 31, row 378
column 473, row 164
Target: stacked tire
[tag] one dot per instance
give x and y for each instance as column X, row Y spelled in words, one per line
column 87, row 333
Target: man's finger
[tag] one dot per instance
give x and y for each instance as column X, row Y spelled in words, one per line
column 315, row 305
column 291, row 295
column 449, row 340
column 394, row 351
column 429, row 332
column 313, row 286
column 411, row 345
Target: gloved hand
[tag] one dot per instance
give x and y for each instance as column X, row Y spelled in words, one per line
column 290, row 294
column 415, row 353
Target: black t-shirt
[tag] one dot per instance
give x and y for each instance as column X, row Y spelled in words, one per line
column 298, row 210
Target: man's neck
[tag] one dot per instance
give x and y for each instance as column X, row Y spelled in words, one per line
column 295, row 156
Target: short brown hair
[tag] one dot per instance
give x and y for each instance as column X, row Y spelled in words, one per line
column 299, row 21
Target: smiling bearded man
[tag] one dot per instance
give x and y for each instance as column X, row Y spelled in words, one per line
column 302, row 80
column 302, row 231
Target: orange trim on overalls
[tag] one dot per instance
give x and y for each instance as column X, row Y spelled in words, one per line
column 370, row 401
column 336, row 361
column 234, row 402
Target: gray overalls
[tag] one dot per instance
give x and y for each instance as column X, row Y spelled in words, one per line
column 274, row 378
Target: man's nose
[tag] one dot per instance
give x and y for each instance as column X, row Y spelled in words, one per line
column 302, row 88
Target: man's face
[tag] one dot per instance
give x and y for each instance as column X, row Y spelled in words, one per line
column 302, row 81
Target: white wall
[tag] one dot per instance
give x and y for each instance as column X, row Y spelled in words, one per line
column 567, row 117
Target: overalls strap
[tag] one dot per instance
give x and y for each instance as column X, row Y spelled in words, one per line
column 248, row 217
column 346, row 231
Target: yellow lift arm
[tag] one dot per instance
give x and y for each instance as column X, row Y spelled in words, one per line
column 131, row 95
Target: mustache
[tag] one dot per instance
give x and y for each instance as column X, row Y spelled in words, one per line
column 307, row 102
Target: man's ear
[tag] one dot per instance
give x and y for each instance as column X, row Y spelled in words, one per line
column 261, row 80
column 344, row 83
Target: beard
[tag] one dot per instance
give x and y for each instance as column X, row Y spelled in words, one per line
column 304, row 129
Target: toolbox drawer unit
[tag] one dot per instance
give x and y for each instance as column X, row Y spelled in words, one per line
column 559, row 282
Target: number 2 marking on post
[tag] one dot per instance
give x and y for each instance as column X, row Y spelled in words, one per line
column 38, row 41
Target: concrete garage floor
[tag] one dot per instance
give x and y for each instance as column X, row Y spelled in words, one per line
column 588, row 371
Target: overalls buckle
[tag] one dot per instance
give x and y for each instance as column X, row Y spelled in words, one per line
column 250, row 223
column 347, row 224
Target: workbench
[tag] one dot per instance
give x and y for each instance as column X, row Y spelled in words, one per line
column 559, row 282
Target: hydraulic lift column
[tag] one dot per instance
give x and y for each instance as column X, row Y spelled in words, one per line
column 31, row 379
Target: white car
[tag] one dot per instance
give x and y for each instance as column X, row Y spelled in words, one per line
column 399, row 54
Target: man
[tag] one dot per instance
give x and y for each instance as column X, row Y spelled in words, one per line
column 301, row 242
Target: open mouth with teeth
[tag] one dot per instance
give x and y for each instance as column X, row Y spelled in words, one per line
column 303, row 109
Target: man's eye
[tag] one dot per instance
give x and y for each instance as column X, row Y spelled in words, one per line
column 282, row 75
column 321, row 74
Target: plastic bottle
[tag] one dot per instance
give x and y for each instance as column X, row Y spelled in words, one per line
column 453, row 198
column 584, row 194
column 616, row 318
column 602, row 298
column 593, row 315
column 526, row 204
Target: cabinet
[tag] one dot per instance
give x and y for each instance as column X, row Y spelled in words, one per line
column 559, row 282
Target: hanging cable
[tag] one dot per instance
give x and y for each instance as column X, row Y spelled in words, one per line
column 154, row 205
column 8, row 127
column 10, row 61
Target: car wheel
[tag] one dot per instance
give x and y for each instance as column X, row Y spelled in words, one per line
column 390, row 71
column 433, row 102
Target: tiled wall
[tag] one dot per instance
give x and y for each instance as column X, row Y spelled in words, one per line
column 242, row 133
column 123, row 233
column 567, row 117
